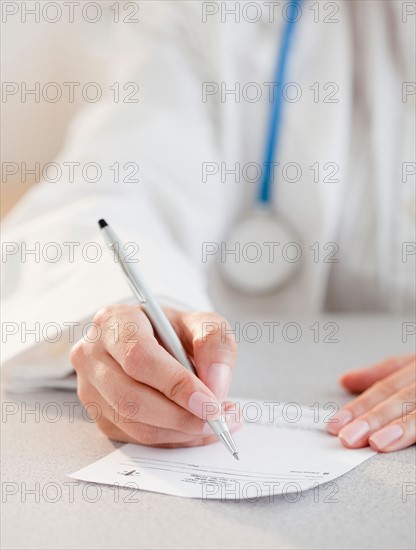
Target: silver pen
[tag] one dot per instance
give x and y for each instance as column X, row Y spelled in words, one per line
column 160, row 322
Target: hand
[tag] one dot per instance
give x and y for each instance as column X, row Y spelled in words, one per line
column 383, row 416
column 142, row 393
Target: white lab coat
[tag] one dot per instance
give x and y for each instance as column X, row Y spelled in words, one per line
column 171, row 132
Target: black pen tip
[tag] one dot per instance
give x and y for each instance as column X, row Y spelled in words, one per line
column 102, row 223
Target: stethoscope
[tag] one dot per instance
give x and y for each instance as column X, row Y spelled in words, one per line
column 258, row 264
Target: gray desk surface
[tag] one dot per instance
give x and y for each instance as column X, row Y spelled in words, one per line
column 371, row 512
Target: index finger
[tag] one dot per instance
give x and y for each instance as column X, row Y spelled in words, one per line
column 212, row 343
column 146, row 361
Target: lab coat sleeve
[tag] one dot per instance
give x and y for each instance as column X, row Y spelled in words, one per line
column 161, row 141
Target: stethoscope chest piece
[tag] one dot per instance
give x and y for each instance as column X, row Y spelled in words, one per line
column 260, row 254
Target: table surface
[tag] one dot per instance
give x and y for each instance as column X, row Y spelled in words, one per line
column 44, row 509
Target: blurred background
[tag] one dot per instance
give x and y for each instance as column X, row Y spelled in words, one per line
column 367, row 133
column 43, row 51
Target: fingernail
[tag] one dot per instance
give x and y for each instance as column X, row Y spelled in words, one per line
column 204, row 406
column 338, row 420
column 354, row 431
column 218, row 380
column 387, row 435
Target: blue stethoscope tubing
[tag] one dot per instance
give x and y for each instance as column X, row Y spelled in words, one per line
column 264, row 224
column 273, row 133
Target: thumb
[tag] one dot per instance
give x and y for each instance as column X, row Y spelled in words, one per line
column 357, row 381
column 208, row 339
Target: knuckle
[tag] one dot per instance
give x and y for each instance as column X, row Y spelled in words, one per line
column 359, row 405
column 77, row 355
column 136, row 357
column 408, row 394
column 103, row 315
column 199, row 344
column 178, row 385
column 385, row 388
column 207, row 325
column 199, row 341
column 376, row 419
column 215, row 328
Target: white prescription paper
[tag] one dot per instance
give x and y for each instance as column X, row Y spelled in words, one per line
column 285, row 451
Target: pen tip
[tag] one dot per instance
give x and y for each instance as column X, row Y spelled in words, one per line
column 235, row 455
column 102, row 223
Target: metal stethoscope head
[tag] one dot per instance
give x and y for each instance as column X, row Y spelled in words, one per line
column 259, row 250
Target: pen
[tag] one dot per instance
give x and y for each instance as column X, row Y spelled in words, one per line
column 160, row 323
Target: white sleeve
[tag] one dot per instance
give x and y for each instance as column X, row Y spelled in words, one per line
column 51, row 293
